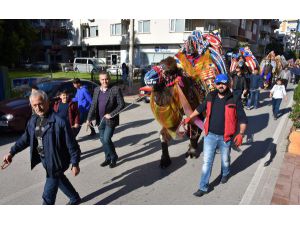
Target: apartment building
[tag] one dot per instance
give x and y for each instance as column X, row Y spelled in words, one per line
column 288, row 34
column 53, row 40
column 155, row 40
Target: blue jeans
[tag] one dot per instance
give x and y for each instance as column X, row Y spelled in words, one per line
column 275, row 105
column 254, row 97
column 51, row 187
column 211, row 142
column 106, row 132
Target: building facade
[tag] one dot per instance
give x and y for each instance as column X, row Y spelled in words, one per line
column 155, row 40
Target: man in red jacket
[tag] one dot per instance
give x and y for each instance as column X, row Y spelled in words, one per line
column 223, row 112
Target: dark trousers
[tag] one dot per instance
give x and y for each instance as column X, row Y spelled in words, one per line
column 275, row 106
column 82, row 118
column 51, row 187
column 106, row 132
column 237, row 93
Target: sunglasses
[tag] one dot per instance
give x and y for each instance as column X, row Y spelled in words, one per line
column 221, row 83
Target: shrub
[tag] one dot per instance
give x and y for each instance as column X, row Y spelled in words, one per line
column 295, row 114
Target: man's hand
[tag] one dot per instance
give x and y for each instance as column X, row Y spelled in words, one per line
column 107, row 116
column 7, row 159
column 76, row 125
column 187, row 120
column 75, row 170
column 238, row 140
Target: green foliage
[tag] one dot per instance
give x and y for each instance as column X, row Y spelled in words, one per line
column 16, row 38
column 295, row 114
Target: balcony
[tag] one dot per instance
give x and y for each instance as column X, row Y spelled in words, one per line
column 266, row 29
column 262, row 42
column 46, row 43
column 64, row 42
column 248, row 35
column 226, row 22
column 228, row 42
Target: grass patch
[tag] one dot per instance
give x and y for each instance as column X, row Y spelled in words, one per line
column 71, row 75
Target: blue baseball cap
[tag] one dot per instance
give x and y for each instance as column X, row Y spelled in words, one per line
column 221, row 78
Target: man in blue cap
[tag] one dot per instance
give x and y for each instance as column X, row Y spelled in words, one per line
column 223, row 112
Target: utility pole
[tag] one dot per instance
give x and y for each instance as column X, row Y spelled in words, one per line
column 131, row 53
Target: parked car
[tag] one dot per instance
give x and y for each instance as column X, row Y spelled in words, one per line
column 40, row 66
column 14, row 113
column 113, row 70
column 88, row 65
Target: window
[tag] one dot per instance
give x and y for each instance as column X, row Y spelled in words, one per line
column 144, row 26
column 189, row 25
column 94, row 31
column 177, row 25
column 243, row 24
column 115, row 29
column 254, row 28
column 86, row 32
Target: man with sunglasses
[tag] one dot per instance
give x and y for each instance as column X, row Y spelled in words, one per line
column 223, row 112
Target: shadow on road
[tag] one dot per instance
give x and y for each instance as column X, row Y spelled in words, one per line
column 133, row 139
column 255, row 152
column 122, row 127
column 127, row 141
column 133, row 124
column 284, row 111
column 140, row 176
column 257, row 123
column 133, row 106
column 11, row 137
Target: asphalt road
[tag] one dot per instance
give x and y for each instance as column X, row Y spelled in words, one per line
column 137, row 179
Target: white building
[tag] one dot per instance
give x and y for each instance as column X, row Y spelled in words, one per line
column 154, row 39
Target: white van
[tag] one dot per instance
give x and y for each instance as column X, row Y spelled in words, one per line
column 88, row 65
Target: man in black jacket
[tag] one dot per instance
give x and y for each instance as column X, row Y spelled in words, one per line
column 51, row 142
column 239, row 86
column 107, row 103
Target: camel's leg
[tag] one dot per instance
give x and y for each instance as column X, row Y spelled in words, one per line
column 165, row 160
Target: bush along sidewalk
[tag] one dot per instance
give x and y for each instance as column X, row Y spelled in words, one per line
column 294, row 146
column 295, row 114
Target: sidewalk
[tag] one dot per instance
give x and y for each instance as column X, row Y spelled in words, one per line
column 287, row 189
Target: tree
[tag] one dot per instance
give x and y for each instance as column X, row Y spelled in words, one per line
column 16, row 38
column 275, row 46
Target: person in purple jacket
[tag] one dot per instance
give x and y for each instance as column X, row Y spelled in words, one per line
column 84, row 100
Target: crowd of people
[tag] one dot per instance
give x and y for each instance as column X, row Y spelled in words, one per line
column 51, row 132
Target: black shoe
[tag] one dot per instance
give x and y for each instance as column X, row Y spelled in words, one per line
column 200, row 193
column 77, row 202
column 112, row 164
column 225, row 179
column 105, row 163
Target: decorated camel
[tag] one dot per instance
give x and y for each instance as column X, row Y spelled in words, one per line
column 179, row 84
column 245, row 60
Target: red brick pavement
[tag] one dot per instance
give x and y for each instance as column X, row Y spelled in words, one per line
column 287, row 189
